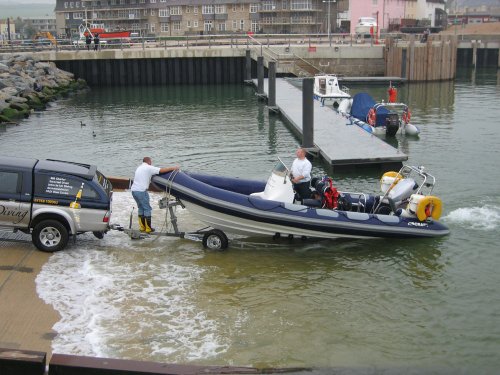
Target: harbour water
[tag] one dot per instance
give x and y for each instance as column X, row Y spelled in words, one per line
column 422, row 306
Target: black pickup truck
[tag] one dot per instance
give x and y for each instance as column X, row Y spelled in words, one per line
column 53, row 199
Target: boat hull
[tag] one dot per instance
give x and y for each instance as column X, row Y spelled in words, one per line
column 234, row 212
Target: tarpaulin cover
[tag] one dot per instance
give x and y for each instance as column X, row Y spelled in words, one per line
column 361, row 104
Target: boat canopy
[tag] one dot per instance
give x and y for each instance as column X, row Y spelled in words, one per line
column 361, row 104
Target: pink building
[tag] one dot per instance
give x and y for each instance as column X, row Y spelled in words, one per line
column 381, row 10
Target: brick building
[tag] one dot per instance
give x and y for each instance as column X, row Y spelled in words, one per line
column 185, row 17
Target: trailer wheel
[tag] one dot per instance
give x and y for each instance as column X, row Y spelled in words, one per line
column 215, row 239
column 50, row 236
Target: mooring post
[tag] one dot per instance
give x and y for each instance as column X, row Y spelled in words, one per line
column 271, row 89
column 260, row 75
column 248, row 66
column 474, row 53
column 307, row 113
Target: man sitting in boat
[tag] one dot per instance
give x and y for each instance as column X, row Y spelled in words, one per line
column 301, row 174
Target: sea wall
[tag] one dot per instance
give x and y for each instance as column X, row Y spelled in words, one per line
column 27, row 84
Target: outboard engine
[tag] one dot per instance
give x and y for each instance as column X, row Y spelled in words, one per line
column 401, row 192
column 391, row 124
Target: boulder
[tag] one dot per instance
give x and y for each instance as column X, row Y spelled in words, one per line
column 27, row 83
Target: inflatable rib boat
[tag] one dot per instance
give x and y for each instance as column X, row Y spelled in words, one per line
column 256, row 208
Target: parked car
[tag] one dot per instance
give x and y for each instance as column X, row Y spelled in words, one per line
column 366, row 26
column 52, row 199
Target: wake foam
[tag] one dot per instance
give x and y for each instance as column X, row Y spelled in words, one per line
column 486, row 217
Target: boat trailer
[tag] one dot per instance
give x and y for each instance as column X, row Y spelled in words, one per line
column 213, row 239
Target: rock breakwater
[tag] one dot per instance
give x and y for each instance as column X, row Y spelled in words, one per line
column 27, row 84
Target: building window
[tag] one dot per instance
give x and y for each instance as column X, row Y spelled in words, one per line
column 268, row 5
column 78, row 16
column 66, row 16
column 242, row 24
column 195, row 23
column 188, row 9
column 220, row 9
column 122, row 2
column 164, row 27
column 195, row 9
column 163, row 12
column 175, row 10
column 153, row 12
column 142, row 1
column 234, row 7
column 235, row 25
column 207, row 9
column 284, row 4
column 301, row 5
column 242, row 7
column 72, row 4
column 254, row 8
column 222, row 26
column 77, row 4
column 208, row 26
column 255, row 26
column 176, row 26
column 152, row 28
column 152, row 2
column 163, row 1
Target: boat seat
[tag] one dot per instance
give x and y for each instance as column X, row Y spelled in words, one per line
column 312, row 202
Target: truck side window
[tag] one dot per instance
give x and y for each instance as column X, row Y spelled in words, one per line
column 10, row 182
column 62, row 186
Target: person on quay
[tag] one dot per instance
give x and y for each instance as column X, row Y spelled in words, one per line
column 142, row 179
column 88, row 41
column 96, row 42
column 301, row 174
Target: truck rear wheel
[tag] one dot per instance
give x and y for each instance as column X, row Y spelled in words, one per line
column 50, row 236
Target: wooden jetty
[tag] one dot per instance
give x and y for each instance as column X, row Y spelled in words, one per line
column 339, row 142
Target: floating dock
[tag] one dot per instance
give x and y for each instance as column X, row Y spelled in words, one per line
column 339, row 142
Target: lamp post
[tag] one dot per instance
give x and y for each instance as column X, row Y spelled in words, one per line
column 329, row 24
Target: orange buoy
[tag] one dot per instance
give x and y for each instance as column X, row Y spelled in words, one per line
column 393, row 94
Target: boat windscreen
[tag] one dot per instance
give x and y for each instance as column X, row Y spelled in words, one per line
column 280, row 168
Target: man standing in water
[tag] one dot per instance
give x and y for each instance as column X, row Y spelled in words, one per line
column 301, row 174
column 142, row 179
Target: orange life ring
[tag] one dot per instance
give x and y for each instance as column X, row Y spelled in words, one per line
column 406, row 116
column 372, row 116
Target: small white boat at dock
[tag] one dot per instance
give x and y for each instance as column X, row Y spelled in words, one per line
column 327, row 89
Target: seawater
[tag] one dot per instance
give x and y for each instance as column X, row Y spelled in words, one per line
column 427, row 306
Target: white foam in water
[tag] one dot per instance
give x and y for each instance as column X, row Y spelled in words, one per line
column 486, row 217
column 121, row 299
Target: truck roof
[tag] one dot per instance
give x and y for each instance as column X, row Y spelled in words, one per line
column 10, row 161
column 86, row 171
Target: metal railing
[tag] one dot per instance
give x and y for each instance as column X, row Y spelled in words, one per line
column 187, row 41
